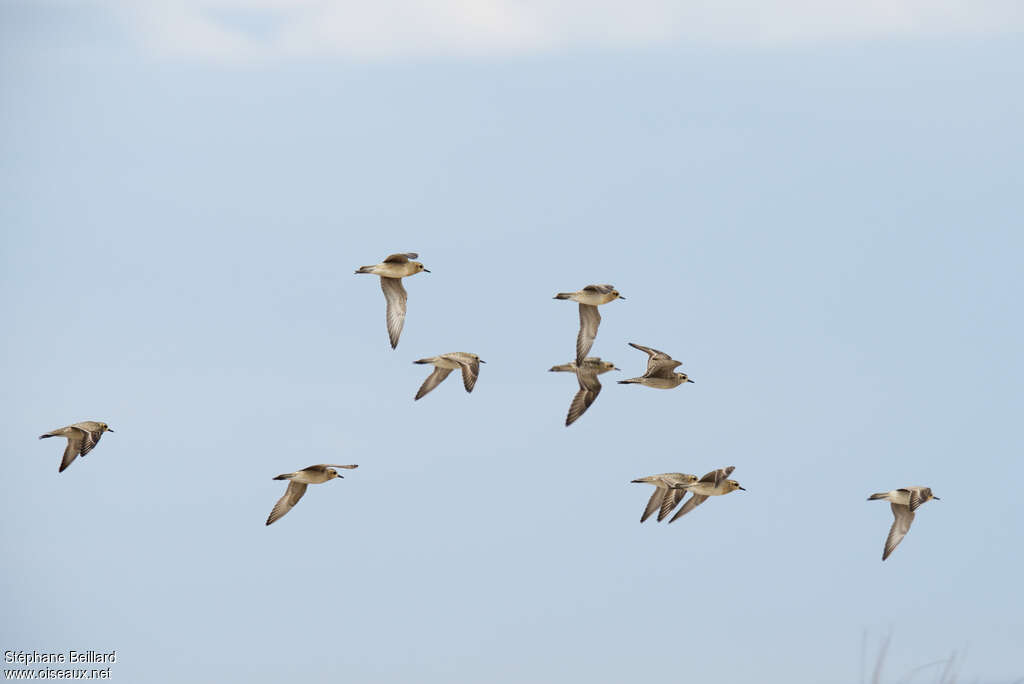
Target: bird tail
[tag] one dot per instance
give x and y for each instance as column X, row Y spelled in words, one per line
column 423, row 361
column 48, row 434
column 284, row 476
column 631, row 381
column 365, row 269
column 564, row 295
column 565, row 367
column 879, row 495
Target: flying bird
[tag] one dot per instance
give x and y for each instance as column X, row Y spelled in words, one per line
column 297, row 481
column 590, row 386
column 660, row 372
column 589, row 299
column 445, row 364
column 391, row 271
column 712, row 484
column 903, row 502
column 669, row 490
column 82, row 437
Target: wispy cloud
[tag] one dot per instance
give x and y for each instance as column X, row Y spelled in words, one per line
column 244, row 30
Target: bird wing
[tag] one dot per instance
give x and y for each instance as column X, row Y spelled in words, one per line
column 470, row 371
column 400, row 258
column 900, row 526
column 396, row 296
column 916, row 498
column 654, row 503
column 91, row 438
column 580, row 403
column 671, row 500
column 285, row 503
column 337, row 465
column 75, row 440
column 432, row 381
column 590, row 318
column 715, row 477
column 590, row 387
column 695, row 500
column 587, row 377
column 661, row 368
column 652, row 353
column 599, row 289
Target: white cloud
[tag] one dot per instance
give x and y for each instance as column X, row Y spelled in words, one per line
column 245, row 30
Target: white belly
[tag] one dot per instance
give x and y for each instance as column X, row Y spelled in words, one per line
column 311, row 478
column 662, row 383
column 592, row 298
column 394, row 270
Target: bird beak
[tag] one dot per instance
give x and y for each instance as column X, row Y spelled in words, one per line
column 689, row 380
column 743, row 488
column 426, row 270
column 614, row 368
column 482, row 361
column 622, row 298
column 109, row 430
column 936, row 498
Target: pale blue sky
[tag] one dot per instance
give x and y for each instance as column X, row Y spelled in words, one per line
column 825, row 230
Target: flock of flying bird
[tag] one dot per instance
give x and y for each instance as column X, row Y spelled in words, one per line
column 669, row 488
